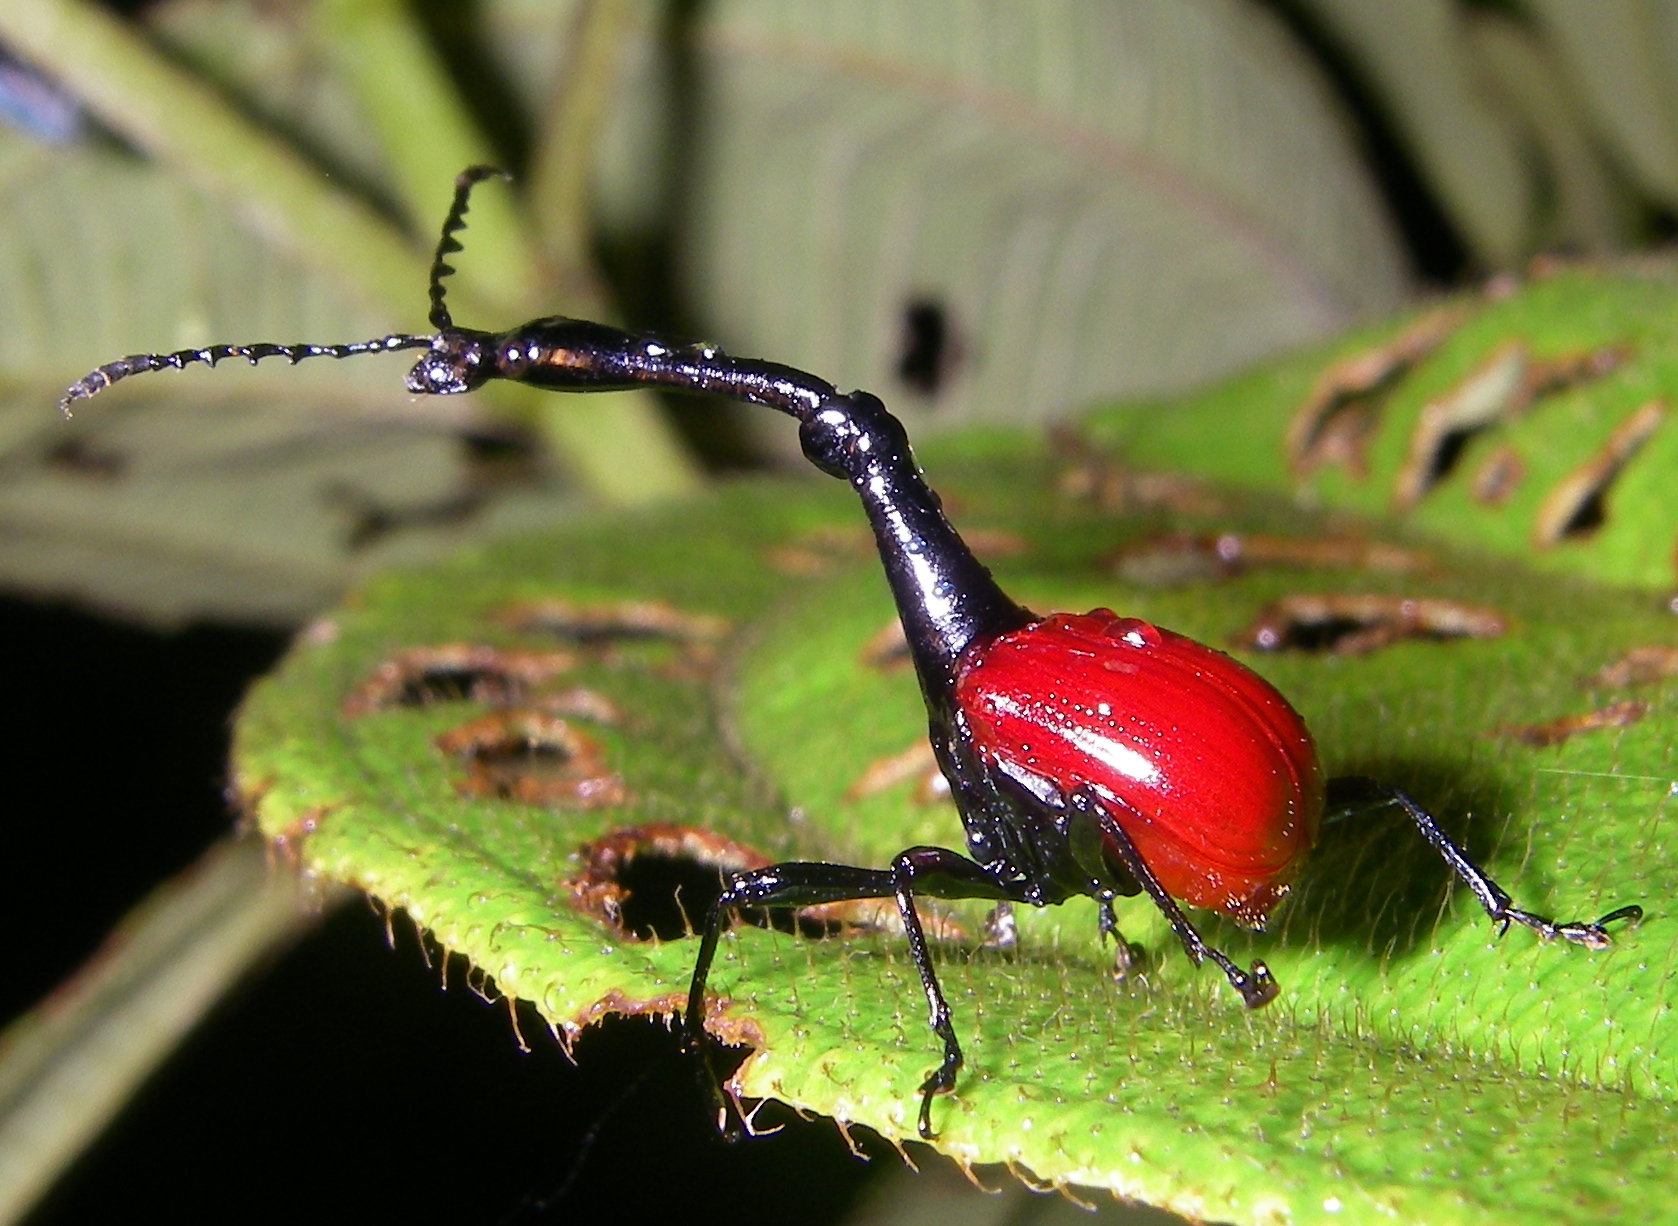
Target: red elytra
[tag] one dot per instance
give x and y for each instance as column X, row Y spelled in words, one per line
column 1205, row 766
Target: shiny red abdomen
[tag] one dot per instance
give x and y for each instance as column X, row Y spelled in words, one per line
column 1207, row 768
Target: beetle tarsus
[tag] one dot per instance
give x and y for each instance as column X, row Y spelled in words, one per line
column 1590, row 935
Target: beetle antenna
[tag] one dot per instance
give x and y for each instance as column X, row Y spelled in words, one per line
column 447, row 245
column 98, row 380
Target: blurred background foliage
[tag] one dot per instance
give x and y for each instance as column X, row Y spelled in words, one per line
column 982, row 210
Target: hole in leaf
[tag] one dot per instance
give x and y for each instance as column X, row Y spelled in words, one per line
column 1333, row 424
column 927, row 347
column 630, row 879
column 454, row 672
column 661, row 880
column 534, row 758
column 596, row 625
column 1500, row 389
column 646, row 633
column 371, row 521
column 1577, row 505
column 1355, row 624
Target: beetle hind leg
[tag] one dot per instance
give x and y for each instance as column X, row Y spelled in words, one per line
column 1354, row 794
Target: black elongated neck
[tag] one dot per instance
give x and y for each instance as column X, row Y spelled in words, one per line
column 945, row 596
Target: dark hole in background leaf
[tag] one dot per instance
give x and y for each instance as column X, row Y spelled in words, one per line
column 602, row 625
column 1355, row 623
column 454, row 672
column 1317, row 636
column 444, row 684
column 1436, row 249
column 497, row 456
column 1447, row 454
column 533, row 757
column 926, row 348
column 1587, row 518
column 666, row 897
column 79, row 457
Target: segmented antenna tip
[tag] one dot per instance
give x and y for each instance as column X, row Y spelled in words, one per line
column 446, row 244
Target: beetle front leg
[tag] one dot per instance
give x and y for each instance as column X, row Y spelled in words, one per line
column 1491, row 896
column 939, row 873
column 795, row 884
column 928, row 871
column 1256, row 986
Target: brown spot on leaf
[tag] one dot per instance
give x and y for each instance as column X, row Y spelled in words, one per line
column 1176, row 559
column 1578, row 504
column 995, row 542
column 1355, row 624
column 603, row 629
column 532, row 757
column 1554, row 732
column 580, row 703
column 1090, row 475
column 1497, row 478
column 661, row 880
column 915, row 763
column 1639, row 666
column 454, row 672
column 819, row 550
column 288, row 843
column 1333, row 423
column 592, row 625
column 887, row 649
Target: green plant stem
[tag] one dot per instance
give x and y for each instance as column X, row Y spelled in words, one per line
column 561, row 166
column 408, row 100
column 68, row 1066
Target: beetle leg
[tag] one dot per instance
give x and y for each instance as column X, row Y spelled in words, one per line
column 1491, row 896
column 1256, row 986
column 1126, row 956
column 929, row 871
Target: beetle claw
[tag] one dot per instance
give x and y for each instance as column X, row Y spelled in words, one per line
column 1258, row 987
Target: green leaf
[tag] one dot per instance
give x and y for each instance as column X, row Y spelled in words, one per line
column 1415, row 1067
column 1625, row 314
column 1103, row 198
